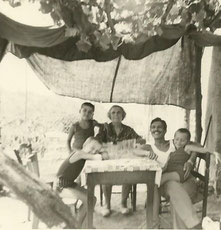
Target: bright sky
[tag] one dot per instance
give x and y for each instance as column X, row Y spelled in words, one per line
column 28, row 13
column 16, row 73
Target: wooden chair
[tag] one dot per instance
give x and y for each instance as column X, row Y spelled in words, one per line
column 32, row 166
column 133, row 195
column 203, row 181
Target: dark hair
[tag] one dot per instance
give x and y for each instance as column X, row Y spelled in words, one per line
column 160, row 120
column 186, row 131
column 116, row 106
column 88, row 104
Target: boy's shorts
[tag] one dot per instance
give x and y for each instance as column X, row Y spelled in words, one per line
column 178, row 169
column 64, row 183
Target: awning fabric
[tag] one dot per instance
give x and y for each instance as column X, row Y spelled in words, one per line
column 29, row 35
column 26, row 40
column 68, row 50
column 164, row 77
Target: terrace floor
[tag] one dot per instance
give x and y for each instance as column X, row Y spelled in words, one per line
column 13, row 213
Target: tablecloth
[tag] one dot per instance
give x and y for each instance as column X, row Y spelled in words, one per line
column 119, row 165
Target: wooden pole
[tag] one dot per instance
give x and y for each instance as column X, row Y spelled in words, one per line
column 198, row 94
column 187, row 118
column 114, row 79
column 44, row 202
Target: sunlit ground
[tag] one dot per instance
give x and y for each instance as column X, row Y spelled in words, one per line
column 15, row 217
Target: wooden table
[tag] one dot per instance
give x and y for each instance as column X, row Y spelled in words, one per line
column 119, row 172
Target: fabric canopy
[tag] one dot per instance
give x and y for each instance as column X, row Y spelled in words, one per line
column 164, row 77
column 26, row 40
column 28, row 35
column 68, row 50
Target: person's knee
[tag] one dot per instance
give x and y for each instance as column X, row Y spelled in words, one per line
column 170, row 187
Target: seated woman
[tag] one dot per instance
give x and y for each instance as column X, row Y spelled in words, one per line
column 114, row 132
column 183, row 213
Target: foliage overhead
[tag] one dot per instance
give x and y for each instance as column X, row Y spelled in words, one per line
column 105, row 23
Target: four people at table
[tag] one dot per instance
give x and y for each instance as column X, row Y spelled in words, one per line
column 183, row 213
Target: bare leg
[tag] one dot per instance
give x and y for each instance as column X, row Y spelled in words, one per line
column 182, row 207
column 107, row 189
column 81, row 194
column 170, row 176
column 156, row 207
column 124, row 195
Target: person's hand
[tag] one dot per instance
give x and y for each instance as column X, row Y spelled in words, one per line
column 188, row 166
column 137, row 146
column 97, row 157
column 104, row 156
column 141, row 141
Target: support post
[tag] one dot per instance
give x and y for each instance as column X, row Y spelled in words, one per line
column 198, row 93
column 187, row 118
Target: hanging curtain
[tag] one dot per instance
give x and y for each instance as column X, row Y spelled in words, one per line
column 164, row 77
column 25, row 35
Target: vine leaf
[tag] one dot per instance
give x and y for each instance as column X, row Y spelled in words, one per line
column 71, row 32
column 84, row 45
column 115, row 40
column 105, row 41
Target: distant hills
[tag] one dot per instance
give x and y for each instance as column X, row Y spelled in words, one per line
column 17, row 107
column 53, row 113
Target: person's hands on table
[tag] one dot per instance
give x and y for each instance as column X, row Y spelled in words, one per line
column 104, row 156
column 141, row 141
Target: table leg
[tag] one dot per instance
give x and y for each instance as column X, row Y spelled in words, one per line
column 149, row 205
column 90, row 208
column 134, row 196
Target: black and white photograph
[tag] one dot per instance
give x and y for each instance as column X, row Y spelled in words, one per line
column 110, row 114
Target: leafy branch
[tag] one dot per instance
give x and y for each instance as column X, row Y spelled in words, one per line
column 167, row 11
column 110, row 22
column 107, row 8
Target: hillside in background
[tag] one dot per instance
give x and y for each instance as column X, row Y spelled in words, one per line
column 53, row 111
column 43, row 109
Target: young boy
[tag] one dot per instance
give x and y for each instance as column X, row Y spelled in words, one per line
column 183, row 148
column 82, row 129
column 71, row 168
